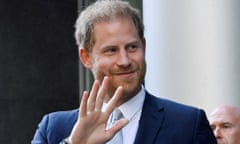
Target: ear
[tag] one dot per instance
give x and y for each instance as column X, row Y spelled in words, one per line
column 85, row 57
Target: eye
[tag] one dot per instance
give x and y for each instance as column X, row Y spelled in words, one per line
column 132, row 47
column 213, row 127
column 226, row 125
column 110, row 50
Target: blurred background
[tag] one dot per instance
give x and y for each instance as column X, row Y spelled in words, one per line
column 38, row 64
column 192, row 57
column 193, row 51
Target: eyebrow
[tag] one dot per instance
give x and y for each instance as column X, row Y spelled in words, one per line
column 227, row 123
column 133, row 42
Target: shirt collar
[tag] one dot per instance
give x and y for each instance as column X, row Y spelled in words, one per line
column 134, row 105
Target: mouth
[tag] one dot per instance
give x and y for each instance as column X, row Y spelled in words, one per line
column 125, row 72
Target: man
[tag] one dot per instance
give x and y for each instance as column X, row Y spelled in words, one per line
column 110, row 36
column 225, row 123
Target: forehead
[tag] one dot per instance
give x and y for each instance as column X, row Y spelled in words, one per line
column 113, row 22
column 224, row 115
column 115, row 30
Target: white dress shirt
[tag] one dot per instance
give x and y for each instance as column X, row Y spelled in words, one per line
column 132, row 110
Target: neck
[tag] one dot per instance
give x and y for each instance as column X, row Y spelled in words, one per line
column 124, row 97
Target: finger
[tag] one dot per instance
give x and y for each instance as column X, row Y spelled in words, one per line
column 116, row 127
column 83, row 105
column 92, row 96
column 113, row 101
column 102, row 93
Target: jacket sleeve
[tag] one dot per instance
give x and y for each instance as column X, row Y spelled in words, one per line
column 204, row 133
column 40, row 136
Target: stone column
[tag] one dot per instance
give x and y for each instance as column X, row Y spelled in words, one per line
column 193, row 51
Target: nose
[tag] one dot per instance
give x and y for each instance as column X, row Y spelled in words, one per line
column 217, row 132
column 123, row 59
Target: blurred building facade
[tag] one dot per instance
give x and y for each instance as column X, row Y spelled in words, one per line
column 193, row 51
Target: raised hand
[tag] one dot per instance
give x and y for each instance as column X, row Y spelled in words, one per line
column 90, row 127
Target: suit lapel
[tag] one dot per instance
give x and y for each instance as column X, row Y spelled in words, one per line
column 150, row 121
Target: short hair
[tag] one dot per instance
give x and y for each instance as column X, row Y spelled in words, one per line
column 104, row 10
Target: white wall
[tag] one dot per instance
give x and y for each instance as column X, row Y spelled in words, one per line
column 193, row 51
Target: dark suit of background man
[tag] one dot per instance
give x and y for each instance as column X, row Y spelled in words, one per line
column 110, row 36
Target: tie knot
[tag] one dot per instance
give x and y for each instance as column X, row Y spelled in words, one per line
column 117, row 115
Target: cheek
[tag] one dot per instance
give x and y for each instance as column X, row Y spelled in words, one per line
column 142, row 63
column 102, row 64
column 236, row 133
column 101, row 67
column 95, row 68
column 229, row 135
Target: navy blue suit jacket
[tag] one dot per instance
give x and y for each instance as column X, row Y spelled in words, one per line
column 162, row 122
